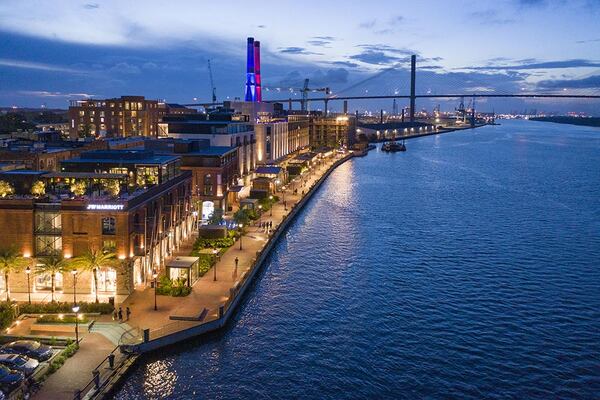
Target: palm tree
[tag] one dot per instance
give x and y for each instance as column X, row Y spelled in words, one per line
column 11, row 261
column 52, row 265
column 93, row 260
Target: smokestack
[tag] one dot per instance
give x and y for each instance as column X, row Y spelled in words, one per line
column 250, row 94
column 345, row 106
column 258, row 89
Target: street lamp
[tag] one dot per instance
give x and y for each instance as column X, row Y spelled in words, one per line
column 74, row 272
column 241, row 231
column 259, row 213
column 215, row 251
column 28, row 272
column 155, row 276
column 76, row 311
column 271, row 209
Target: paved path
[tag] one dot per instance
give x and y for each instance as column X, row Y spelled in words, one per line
column 206, row 293
column 77, row 371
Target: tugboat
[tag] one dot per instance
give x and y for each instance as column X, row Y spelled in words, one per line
column 392, row 147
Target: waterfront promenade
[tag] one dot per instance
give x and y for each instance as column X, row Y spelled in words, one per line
column 207, row 294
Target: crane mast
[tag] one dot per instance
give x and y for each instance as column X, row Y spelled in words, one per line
column 212, row 83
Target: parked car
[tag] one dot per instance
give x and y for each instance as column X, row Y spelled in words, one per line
column 19, row 362
column 29, row 348
column 9, row 379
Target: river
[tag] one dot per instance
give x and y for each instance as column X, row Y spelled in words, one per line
column 467, row 267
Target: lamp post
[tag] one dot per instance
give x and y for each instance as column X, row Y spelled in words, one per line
column 74, row 272
column 259, row 214
column 155, row 276
column 28, row 272
column 76, row 311
column 241, row 226
column 271, row 202
column 215, row 251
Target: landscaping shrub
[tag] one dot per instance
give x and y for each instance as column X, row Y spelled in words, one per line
column 7, row 314
column 66, row 319
column 65, row 307
column 176, row 288
column 203, row 243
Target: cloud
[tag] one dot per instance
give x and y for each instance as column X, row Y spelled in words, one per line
column 489, row 17
column 534, row 64
column 345, row 64
column 44, row 93
column 387, row 48
column 261, row 26
column 6, row 62
column 584, row 83
column 531, row 3
column 367, row 24
column 328, row 38
column 317, row 78
column 588, row 41
column 297, row 50
column 91, row 6
column 375, row 57
column 319, row 43
column 125, row 68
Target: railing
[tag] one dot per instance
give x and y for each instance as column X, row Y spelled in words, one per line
column 102, row 373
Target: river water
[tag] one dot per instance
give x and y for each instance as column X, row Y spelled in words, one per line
column 467, row 267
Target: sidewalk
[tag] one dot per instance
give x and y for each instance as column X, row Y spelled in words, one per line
column 206, row 293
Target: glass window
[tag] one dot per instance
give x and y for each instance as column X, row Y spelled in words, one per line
column 109, row 245
column 208, row 185
column 108, row 225
column 44, row 281
column 46, row 245
column 107, row 280
column 48, row 222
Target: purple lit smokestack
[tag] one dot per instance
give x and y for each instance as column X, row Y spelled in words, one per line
column 250, row 93
column 257, row 83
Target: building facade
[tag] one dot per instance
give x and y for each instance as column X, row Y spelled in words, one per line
column 332, row 131
column 118, row 117
column 142, row 225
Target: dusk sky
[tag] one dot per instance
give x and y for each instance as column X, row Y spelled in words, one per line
column 53, row 51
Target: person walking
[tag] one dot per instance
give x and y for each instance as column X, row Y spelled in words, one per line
column 114, row 314
column 128, row 313
column 120, row 314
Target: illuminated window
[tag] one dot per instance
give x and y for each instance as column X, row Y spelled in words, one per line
column 108, row 225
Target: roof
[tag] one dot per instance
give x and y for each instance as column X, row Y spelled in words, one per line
column 236, row 188
column 150, row 159
column 268, row 170
column 182, row 262
column 23, row 172
column 83, row 175
column 210, row 151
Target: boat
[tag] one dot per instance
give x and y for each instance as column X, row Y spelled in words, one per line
column 392, row 147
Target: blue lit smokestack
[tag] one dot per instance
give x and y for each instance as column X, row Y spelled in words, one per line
column 250, row 93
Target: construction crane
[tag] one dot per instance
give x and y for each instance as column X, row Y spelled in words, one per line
column 212, row 83
column 305, row 90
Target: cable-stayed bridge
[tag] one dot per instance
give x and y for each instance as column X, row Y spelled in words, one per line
column 430, row 84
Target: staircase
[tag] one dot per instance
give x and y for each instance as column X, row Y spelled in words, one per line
column 111, row 330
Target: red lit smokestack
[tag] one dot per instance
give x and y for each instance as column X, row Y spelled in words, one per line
column 257, row 70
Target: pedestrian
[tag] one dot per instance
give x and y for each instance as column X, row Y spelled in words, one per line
column 114, row 314
column 120, row 314
column 270, row 224
column 128, row 313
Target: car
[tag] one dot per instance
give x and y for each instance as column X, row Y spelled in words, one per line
column 19, row 362
column 29, row 348
column 9, row 379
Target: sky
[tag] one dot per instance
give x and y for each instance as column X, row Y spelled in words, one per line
column 55, row 51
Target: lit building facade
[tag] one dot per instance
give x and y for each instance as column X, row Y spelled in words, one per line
column 141, row 224
column 118, row 117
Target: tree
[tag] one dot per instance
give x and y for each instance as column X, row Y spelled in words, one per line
column 78, row 188
column 6, row 189
column 38, row 188
column 93, row 260
column 112, row 186
column 11, row 261
column 216, row 217
column 53, row 265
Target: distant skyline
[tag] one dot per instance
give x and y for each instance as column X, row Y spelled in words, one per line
column 52, row 52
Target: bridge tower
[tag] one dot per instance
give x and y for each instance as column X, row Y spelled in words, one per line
column 413, row 65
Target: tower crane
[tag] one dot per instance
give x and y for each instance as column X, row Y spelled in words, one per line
column 212, row 83
column 305, row 90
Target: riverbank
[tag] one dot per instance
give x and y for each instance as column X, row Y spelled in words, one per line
column 212, row 302
column 593, row 122
column 431, row 133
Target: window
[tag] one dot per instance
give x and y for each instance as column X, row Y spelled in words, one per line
column 109, row 245
column 108, row 225
column 44, row 281
column 48, row 222
column 46, row 245
column 208, row 186
column 107, row 280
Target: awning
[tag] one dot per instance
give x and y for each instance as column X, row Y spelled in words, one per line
column 236, row 188
column 268, row 170
column 182, row 262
